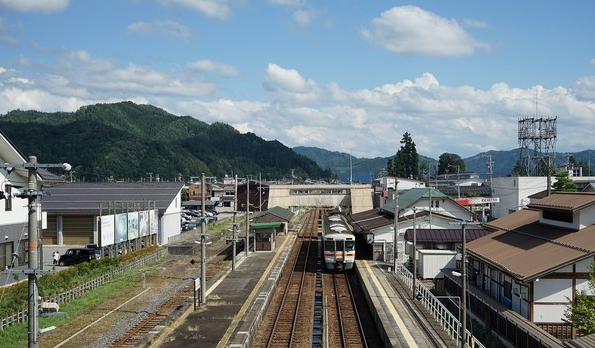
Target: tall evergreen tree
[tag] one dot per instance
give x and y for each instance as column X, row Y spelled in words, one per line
column 406, row 161
column 564, row 183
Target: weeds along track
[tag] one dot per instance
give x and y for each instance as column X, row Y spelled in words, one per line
column 174, row 305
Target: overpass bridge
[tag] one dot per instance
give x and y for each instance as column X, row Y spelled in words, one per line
column 355, row 198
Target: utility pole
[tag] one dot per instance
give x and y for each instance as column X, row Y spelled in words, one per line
column 235, row 211
column 396, row 227
column 413, row 290
column 203, row 244
column 458, row 180
column 31, row 193
column 248, row 214
column 463, row 307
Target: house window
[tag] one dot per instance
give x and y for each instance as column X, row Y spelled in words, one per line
column 557, row 216
column 8, row 198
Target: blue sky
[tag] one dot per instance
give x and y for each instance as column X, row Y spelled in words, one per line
column 343, row 75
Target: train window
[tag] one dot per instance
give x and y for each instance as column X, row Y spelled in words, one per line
column 349, row 245
column 329, row 245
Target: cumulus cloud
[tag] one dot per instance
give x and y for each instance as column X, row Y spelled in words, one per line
column 208, row 65
column 45, row 6
column 412, row 30
column 301, row 111
column 279, row 79
column 167, row 28
column 212, row 8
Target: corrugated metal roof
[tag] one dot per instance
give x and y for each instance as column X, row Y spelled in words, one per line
column 87, row 198
column 527, row 249
column 369, row 220
column 274, row 214
column 448, row 235
column 409, row 197
column 265, row 225
column 583, row 342
column 568, row 201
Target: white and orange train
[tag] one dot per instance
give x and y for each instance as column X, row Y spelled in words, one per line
column 338, row 242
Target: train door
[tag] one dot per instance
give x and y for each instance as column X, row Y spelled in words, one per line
column 340, row 250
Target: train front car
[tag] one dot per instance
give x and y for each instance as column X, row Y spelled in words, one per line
column 339, row 244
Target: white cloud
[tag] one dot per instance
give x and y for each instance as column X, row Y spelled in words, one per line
column 40, row 6
column 304, row 17
column 167, row 28
column 289, row 80
column 412, row 30
column 212, row 8
column 365, row 122
column 208, row 65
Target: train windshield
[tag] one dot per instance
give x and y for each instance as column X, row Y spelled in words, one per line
column 349, row 245
column 329, row 245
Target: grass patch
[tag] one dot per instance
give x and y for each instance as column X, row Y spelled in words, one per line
column 16, row 336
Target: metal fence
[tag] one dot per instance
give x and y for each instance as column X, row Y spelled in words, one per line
column 450, row 323
column 508, row 324
column 78, row 291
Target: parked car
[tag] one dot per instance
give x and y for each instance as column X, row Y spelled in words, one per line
column 96, row 248
column 75, row 256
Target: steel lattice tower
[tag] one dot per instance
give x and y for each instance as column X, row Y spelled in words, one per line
column 537, row 140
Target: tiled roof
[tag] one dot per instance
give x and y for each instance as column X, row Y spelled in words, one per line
column 448, row 235
column 527, row 250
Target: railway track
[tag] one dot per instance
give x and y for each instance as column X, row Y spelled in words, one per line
column 288, row 322
column 349, row 320
column 175, row 305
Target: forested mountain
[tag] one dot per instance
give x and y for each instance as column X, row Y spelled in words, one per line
column 126, row 141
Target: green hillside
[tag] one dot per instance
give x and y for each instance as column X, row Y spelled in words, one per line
column 126, row 141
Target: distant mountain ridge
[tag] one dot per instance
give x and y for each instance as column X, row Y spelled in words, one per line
column 503, row 161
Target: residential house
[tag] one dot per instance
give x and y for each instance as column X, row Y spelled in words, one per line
column 375, row 228
column 537, row 258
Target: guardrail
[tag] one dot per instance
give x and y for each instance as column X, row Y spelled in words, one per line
column 78, row 291
column 450, row 323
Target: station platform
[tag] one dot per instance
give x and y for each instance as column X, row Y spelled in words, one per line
column 401, row 322
column 235, row 303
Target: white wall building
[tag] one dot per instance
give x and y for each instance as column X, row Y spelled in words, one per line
column 13, row 211
column 514, row 192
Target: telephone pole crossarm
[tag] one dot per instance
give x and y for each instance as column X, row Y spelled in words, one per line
column 31, row 193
